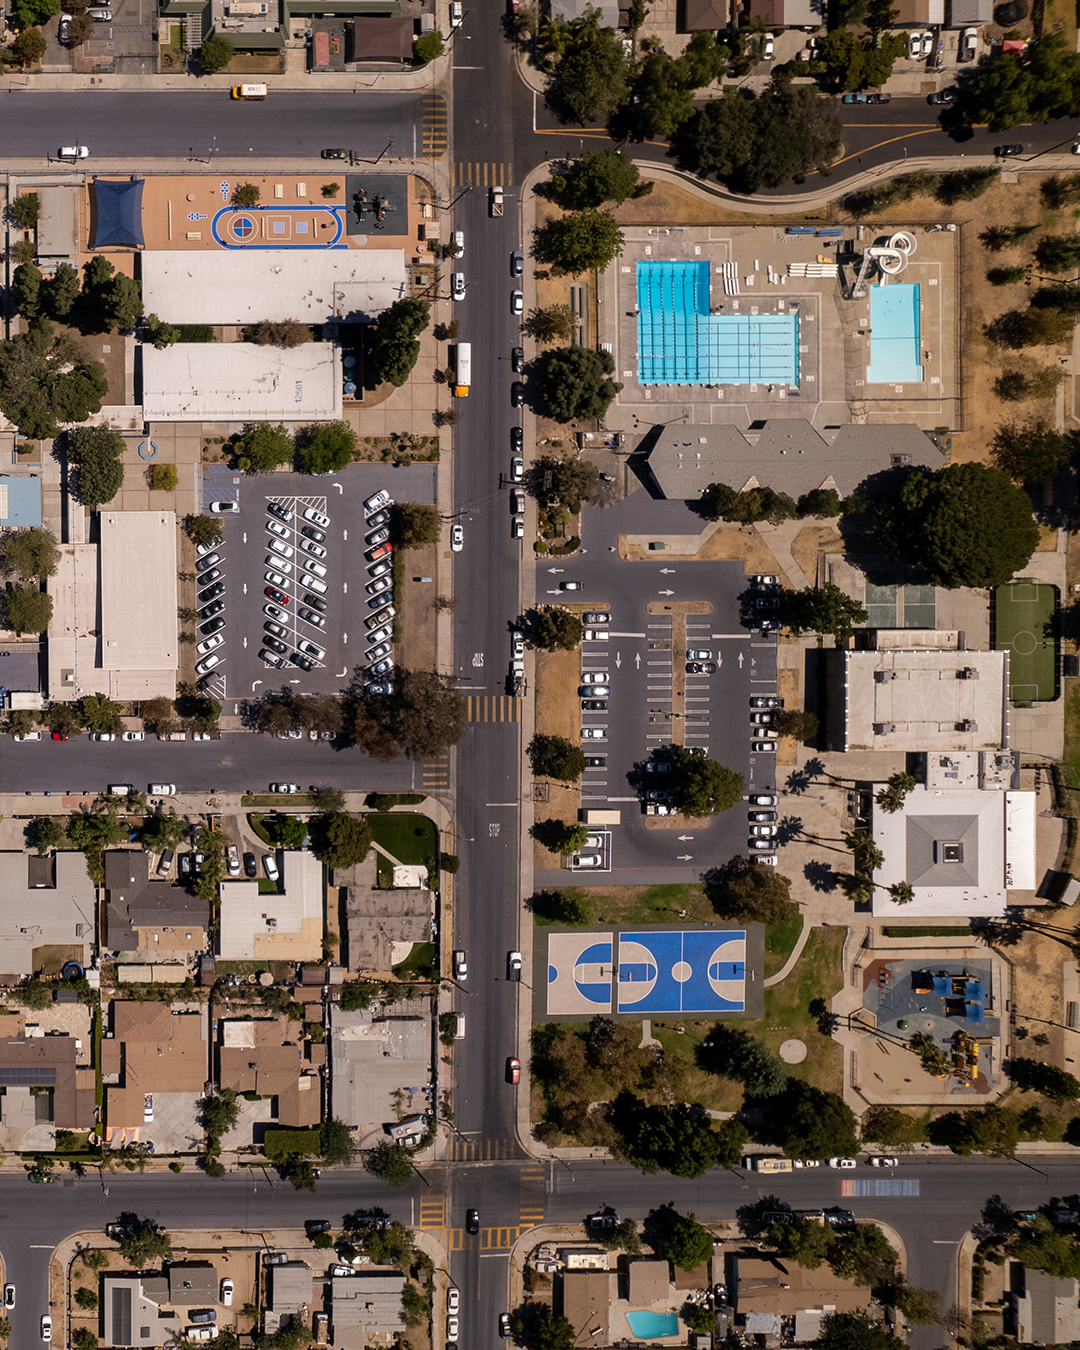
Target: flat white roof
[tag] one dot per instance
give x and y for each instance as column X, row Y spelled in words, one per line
column 236, row 287
column 212, row 382
column 285, row 925
column 137, row 557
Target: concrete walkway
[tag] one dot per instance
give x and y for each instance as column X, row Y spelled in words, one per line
column 790, row 964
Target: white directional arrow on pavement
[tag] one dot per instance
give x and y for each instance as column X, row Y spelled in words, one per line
column 637, row 660
column 740, row 660
column 685, row 857
column 245, row 642
column 685, row 838
column 245, row 588
column 665, row 592
column 667, row 571
column 345, row 638
column 342, row 491
column 345, row 589
column 245, row 536
column 719, row 659
column 618, row 660
column 553, row 570
column 345, row 535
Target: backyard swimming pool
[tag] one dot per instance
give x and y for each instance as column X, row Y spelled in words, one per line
column 894, row 339
column 647, row 1326
column 680, row 342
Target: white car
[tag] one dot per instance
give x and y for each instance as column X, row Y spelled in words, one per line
column 29, row 736
column 275, row 613
column 457, row 538
column 289, row 789
column 457, row 286
column 968, row 44
column 884, row 1162
column 453, row 1300
column 317, row 517
column 286, row 550
column 310, row 649
column 276, row 527
column 914, row 46
column 225, row 508
column 107, row 735
column 517, row 646
column 207, row 646
column 282, row 564
column 46, row 1328
column 310, row 565
column 276, row 579
column 134, row 736
column 378, row 569
column 208, row 663
column 380, row 634
column 456, row 17
column 461, row 965
column 451, row 1328
column 593, row 733
column 74, row 152
column 594, row 677
column 378, row 585
column 928, row 44
column 227, row 1293
column 458, row 240
column 767, row 49
column 699, row 654
column 270, row 866
column 517, row 469
column 381, row 498
column 316, row 550
column 844, row 1164
column 202, row 1333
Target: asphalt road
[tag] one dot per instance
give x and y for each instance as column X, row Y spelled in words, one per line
column 202, row 123
column 953, row 1192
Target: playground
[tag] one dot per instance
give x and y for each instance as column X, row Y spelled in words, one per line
column 1024, row 622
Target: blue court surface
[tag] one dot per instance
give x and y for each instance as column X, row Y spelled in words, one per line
column 649, row 972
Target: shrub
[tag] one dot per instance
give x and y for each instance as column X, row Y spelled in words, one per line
column 162, row 477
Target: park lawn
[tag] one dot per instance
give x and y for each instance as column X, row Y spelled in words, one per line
column 284, row 802
column 406, row 836
column 1072, row 730
column 780, row 940
column 419, row 962
column 651, row 904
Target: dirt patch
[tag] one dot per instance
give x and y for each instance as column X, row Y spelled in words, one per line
column 414, row 601
column 558, row 713
column 1048, row 539
column 677, row 822
column 675, row 206
column 787, row 686
column 810, row 543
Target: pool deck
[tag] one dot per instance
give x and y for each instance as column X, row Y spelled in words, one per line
column 749, row 276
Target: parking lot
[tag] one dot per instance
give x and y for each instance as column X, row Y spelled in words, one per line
column 319, row 569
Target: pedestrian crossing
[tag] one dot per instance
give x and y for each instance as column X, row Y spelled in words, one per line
column 492, row 708
column 436, row 774
column 434, row 125
column 482, row 1150
column 467, row 174
column 433, row 1210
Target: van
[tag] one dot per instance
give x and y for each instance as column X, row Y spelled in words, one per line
column 162, row 789
column 459, row 1026
column 249, row 91
column 121, row 790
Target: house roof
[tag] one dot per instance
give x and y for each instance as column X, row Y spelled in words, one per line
column 1049, row 1311
column 284, row 926
column 192, row 1283
column 368, row 1301
column 650, row 1282
column 135, row 899
column 787, row 454
column 152, row 1049
column 117, row 213
column 375, row 38
column 767, row 1285
column 45, row 904
column 50, row 1061
column 376, row 919
column 131, row 1310
column 262, row 1055
column 291, row 1287
column 587, row 1296
column 706, row 14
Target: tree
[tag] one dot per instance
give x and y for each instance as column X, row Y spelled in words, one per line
column 219, row 1113
column 29, row 46
column 24, row 211
column 144, row 1243
column 967, row 525
column 575, row 382
column 863, row 1253
column 993, row 1130
column 28, row 610
column 246, row 194
column 573, row 909
column 45, row 833
column 160, row 334
column 394, row 349
column 569, row 481
column 803, row 1241
column 415, row 525
column 328, row 799
column 1014, row 385
column 821, row 609
column 109, row 299
column 215, row 54
column 891, row 797
column 325, row 448
column 815, row 1124
column 1006, row 276
column 340, row 840
column 162, row 830
column 390, row 1246
column 663, row 99
column 1034, row 86
column 82, row 1338
column 590, row 69
column 887, row 1126
column 390, row 1163
column 60, row 292
column 920, row 1307
column 26, row 289
column 553, row 628
column 90, row 832
column 537, row 1326
column 203, row 529
column 797, row 722
column 336, row 1147
column 46, row 380
column 281, row 333
column 686, row 1243
column 96, row 453
column 578, row 242
column 622, row 1238
column 721, row 502
column 1044, row 1247
column 158, row 715
column 699, row 785
column 1035, row 1075
column 855, row 1331
column 1058, row 252
column 86, row 1298
column 1065, row 298
column 821, row 503
column 679, row 1139
column 560, row 837
column 598, row 176
column 31, row 553
column 427, row 714
column 262, row 448
column 556, row 757
column 753, row 895
column 98, row 713
column 428, row 47
column 1030, row 453
column 62, row 718
column 556, row 323
column 746, row 1058
column 1036, row 327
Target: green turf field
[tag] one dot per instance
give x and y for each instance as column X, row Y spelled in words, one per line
column 1025, row 625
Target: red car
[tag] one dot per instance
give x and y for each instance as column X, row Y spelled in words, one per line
column 279, row 596
column 513, row 1071
column 57, row 737
column 379, row 551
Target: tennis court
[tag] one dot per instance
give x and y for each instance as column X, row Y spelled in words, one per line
column 1025, row 615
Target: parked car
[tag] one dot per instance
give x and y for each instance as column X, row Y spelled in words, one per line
column 594, row 733
column 517, row 263
column 914, row 46
column 594, row 705
column 761, row 816
column 380, row 498
column 46, row 1323
column 884, row 1162
column 701, row 668
column 202, row 648
column 845, row 1164
column 585, row 690
column 457, row 286
column 105, row 735
column 1008, row 151
column 270, row 867
column 968, row 45
column 766, row 701
column 513, row 1071
column 763, row 747
column 289, row 789
column 280, row 510
column 764, row 799
column 944, row 96
column 275, row 1258
column 517, row 439
column 9, row 1296
column 278, row 595
column 250, row 867
column 517, row 359
column 208, row 663
column 517, row 302
column 310, row 649
column 461, row 965
column 517, row 394
column 218, row 508
column 767, row 47
column 457, row 538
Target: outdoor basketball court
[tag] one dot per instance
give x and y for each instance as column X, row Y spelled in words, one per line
column 1025, row 625
column 649, row 971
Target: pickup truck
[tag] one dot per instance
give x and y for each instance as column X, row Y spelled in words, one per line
column 496, row 202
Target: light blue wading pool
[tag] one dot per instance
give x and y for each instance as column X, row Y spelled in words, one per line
column 894, row 341
column 647, row 1326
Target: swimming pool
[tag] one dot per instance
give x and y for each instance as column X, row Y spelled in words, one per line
column 680, row 342
column 647, row 1326
column 894, row 339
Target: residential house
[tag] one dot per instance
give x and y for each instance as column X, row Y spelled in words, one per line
column 133, row 1311
column 286, row 925
column 364, row 1306
column 48, row 903
column 1047, row 1310
column 143, row 915
column 152, row 1051
column 270, row 1057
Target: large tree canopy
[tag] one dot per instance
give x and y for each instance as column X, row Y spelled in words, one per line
column 46, row 381
column 966, row 524
column 589, row 65
column 1040, row 83
column 699, row 785
column 578, row 242
column 576, row 382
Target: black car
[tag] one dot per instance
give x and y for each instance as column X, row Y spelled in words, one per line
column 211, row 593
column 212, row 627
column 275, row 628
column 275, row 645
column 218, row 607
column 1008, row 151
column 301, row 661
column 282, row 512
column 517, row 439
column 334, row 154
column 701, row 667
column 517, row 359
column 596, row 761
column 517, row 394
column 944, row 96
column 379, row 601
column 472, row 1221
column 310, row 532
column 313, row 1227
column 251, row 868
column 315, row 601
column 594, row 705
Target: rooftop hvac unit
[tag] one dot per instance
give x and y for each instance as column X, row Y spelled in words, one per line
column 884, row 728
column 884, row 676
column 967, row 673
column 899, row 461
column 967, row 725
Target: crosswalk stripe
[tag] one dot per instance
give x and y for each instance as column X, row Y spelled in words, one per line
column 489, row 174
column 492, row 708
column 434, row 126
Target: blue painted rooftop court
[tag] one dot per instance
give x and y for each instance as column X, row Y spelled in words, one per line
column 681, row 342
